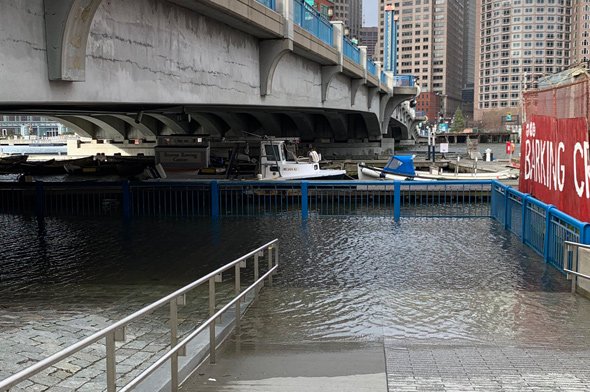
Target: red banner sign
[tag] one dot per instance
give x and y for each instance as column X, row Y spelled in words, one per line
column 555, row 163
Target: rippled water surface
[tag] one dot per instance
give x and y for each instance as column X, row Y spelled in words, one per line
column 340, row 278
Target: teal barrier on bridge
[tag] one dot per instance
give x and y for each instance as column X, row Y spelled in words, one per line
column 540, row 226
column 269, row 3
column 312, row 21
column 371, row 67
column 351, row 51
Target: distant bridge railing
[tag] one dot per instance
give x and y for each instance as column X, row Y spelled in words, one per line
column 312, row 21
column 371, row 67
column 351, row 51
column 540, row 226
column 403, row 81
column 269, row 3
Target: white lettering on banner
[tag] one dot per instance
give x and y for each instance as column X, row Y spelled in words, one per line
column 542, row 163
column 582, row 184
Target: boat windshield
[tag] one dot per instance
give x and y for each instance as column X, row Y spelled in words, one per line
column 272, row 152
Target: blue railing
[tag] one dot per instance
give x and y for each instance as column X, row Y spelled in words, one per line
column 312, row 21
column 403, row 81
column 383, row 78
column 269, row 3
column 540, row 226
column 371, row 67
column 351, row 51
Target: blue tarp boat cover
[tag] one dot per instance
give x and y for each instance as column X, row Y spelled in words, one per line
column 400, row 164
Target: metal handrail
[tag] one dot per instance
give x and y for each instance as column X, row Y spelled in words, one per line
column 568, row 245
column 174, row 350
column 110, row 332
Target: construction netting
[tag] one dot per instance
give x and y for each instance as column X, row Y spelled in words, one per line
column 562, row 101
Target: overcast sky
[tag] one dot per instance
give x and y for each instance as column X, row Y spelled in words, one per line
column 369, row 12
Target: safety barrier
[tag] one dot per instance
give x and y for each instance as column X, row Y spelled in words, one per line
column 312, row 21
column 116, row 332
column 371, row 67
column 351, row 51
column 269, row 3
column 540, row 226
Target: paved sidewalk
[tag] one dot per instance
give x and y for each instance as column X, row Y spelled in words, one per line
column 322, row 367
column 430, row 367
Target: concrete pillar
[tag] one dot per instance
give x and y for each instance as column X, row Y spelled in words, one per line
column 363, row 50
column 285, row 8
column 338, row 36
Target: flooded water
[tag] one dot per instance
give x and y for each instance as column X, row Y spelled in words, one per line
column 340, row 279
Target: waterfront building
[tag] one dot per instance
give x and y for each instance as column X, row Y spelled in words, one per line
column 17, row 125
column 351, row 13
column 430, row 47
column 517, row 42
column 369, row 38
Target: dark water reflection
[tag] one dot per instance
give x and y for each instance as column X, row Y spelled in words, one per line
column 340, row 278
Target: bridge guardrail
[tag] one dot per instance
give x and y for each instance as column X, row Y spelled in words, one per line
column 351, row 51
column 371, row 67
column 116, row 331
column 269, row 3
column 312, row 21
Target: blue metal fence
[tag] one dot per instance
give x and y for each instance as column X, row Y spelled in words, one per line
column 312, row 21
column 371, row 67
column 269, row 3
column 403, row 81
column 351, row 51
column 540, row 226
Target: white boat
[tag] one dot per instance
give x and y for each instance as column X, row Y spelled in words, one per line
column 277, row 163
column 401, row 167
column 274, row 162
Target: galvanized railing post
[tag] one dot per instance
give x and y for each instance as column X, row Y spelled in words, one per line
column 304, row 200
column 237, row 292
column 396, row 200
column 270, row 265
column 173, row 341
column 111, row 364
column 256, row 273
column 212, row 325
column 214, row 199
column 575, row 268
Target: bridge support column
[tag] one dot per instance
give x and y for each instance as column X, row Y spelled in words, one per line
column 270, row 52
column 328, row 73
column 67, row 26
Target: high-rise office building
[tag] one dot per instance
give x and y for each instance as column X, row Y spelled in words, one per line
column 517, row 42
column 351, row 13
column 369, row 37
column 468, row 57
column 581, row 32
column 430, row 47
